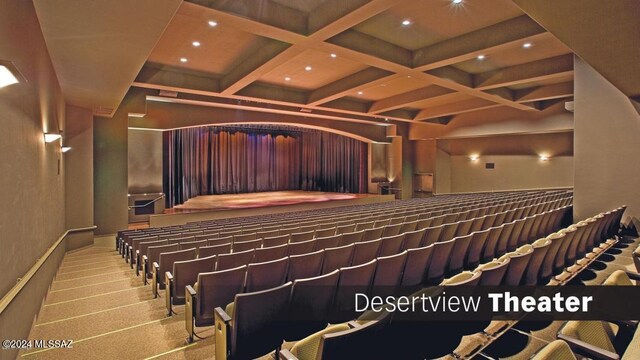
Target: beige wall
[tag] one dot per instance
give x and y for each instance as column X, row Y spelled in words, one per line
column 442, row 174
column 79, row 175
column 32, row 188
column 607, row 146
column 511, row 172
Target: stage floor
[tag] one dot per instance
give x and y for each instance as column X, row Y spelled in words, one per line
column 257, row 200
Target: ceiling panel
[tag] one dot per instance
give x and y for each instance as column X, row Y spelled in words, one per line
column 395, row 86
column 324, row 70
column 435, row 20
column 543, row 47
column 302, row 5
column 221, row 47
column 556, row 80
column 441, row 100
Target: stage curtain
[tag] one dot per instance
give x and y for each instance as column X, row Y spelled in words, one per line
column 231, row 160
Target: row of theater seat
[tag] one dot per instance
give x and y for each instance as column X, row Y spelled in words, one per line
column 321, row 259
column 240, row 226
column 222, row 316
column 569, row 252
column 380, row 338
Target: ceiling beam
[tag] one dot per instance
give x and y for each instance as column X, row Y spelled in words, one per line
column 404, row 99
column 545, row 69
column 349, row 85
column 482, row 41
column 546, row 92
column 373, row 46
column 455, row 108
column 453, row 74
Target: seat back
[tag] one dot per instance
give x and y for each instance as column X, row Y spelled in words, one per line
column 301, row 236
column 517, row 265
column 220, row 240
column 353, row 279
column 365, row 341
column 476, row 247
column 275, row 240
column 364, row 226
column 337, row 257
column 325, row 232
column 595, row 333
column 408, row 226
column 305, row 265
column 153, row 253
column 217, row 289
column 234, row 260
column 167, row 259
column 246, row 245
column 258, row 322
column 489, row 251
column 207, row 251
column 546, row 270
column 493, row 272
column 448, row 231
column 310, row 305
column 503, row 239
column 350, row 238
column 391, row 245
column 413, row 239
column 186, row 273
column 383, row 222
column 265, row 275
column 328, row 242
column 431, row 235
column 540, row 248
column 391, row 230
column 302, row 247
column 365, row 251
column 556, row 350
column 267, row 233
column 342, row 229
column 193, row 244
column 373, row 233
column 439, row 261
column 414, row 269
column 388, row 275
column 458, row 254
column 271, row 253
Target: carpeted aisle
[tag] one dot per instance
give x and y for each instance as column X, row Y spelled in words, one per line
column 97, row 301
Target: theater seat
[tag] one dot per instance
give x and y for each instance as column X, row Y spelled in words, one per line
column 636, row 258
column 164, row 264
column 556, row 350
column 256, row 326
column 184, row 273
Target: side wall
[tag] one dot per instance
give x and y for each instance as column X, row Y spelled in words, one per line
column 511, row 172
column 607, row 146
column 32, row 186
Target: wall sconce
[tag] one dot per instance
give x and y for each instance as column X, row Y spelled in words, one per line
column 64, row 149
column 544, row 157
column 474, row 157
column 9, row 74
column 51, row 137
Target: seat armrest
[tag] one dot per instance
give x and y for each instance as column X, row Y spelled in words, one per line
column 633, row 275
column 285, row 354
column 353, row 324
column 189, row 290
column 221, row 314
column 586, row 349
column 156, row 266
column 144, row 258
column 168, row 276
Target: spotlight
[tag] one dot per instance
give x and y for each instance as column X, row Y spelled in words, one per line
column 307, row 68
column 51, row 137
column 183, row 60
column 196, row 43
column 64, row 149
column 544, row 157
column 406, row 22
column 474, row 157
column 334, row 56
column 213, row 23
column 480, row 57
column 527, row 45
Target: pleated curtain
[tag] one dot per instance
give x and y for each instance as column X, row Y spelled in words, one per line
column 218, row 160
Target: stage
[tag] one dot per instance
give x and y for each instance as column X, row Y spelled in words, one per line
column 209, row 207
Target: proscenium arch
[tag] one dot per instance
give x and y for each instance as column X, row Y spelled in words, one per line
column 304, row 126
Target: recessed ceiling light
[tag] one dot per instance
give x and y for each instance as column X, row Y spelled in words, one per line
column 334, row 56
column 213, row 23
column 287, row 79
column 527, row 45
column 307, row 68
column 480, row 57
column 183, row 60
column 406, row 22
column 457, row 1
column 196, row 43
column 360, row 92
column 408, row 76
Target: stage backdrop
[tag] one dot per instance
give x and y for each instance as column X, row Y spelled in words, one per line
column 245, row 159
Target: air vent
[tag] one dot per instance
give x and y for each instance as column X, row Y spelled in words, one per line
column 102, row 111
column 166, row 93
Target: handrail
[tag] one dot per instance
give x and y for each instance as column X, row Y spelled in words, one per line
column 22, row 282
column 147, row 204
